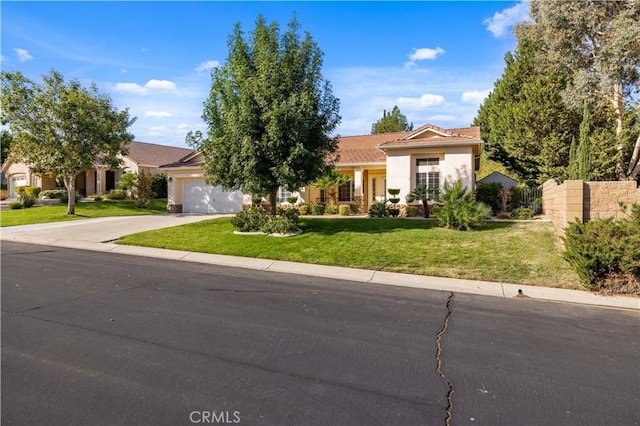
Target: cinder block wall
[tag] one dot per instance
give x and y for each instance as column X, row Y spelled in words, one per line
column 575, row 199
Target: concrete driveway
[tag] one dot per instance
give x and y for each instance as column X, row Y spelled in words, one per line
column 98, row 230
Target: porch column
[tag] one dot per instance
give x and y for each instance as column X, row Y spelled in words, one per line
column 357, row 182
column 102, row 180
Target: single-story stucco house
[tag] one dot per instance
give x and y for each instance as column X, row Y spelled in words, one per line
column 427, row 155
column 99, row 179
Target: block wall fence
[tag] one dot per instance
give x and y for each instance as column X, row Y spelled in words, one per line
column 576, row 199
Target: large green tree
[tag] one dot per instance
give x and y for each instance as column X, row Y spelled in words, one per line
column 524, row 121
column 393, row 121
column 598, row 42
column 5, row 144
column 270, row 113
column 61, row 128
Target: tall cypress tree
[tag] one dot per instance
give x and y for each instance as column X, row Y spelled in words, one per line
column 573, row 160
column 584, row 167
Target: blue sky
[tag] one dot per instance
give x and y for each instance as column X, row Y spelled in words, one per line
column 435, row 60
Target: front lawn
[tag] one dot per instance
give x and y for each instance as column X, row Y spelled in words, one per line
column 58, row 212
column 502, row 251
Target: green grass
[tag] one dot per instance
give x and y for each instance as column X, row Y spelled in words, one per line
column 58, row 212
column 510, row 252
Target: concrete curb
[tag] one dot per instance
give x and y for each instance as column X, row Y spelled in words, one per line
column 363, row 276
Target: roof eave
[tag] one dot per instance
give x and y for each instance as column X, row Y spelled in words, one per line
column 429, row 145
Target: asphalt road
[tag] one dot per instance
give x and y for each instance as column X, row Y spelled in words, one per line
column 90, row 338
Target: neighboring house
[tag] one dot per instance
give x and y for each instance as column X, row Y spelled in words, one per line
column 497, row 177
column 99, row 179
column 428, row 155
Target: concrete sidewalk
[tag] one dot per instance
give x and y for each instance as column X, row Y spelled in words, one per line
column 99, row 234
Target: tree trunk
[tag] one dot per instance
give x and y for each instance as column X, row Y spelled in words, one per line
column 332, row 198
column 425, row 206
column 273, row 198
column 618, row 108
column 70, row 184
column 634, row 163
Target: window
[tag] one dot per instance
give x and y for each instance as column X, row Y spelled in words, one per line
column 323, row 196
column 283, row 194
column 345, row 192
column 373, row 189
column 428, row 173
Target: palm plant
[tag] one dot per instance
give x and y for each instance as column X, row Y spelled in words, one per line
column 422, row 193
column 329, row 181
column 459, row 210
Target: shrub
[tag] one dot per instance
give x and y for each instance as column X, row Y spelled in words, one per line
column 4, row 194
column 251, row 220
column 303, row 209
column 97, row 198
column 459, row 210
column 279, row 225
column 344, row 210
column 411, row 211
column 504, row 215
column 605, row 253
column 128, row 180
column 285, row 223
column 292, row 200
column 60, row 194
column 505, row 196
column 318, row 209
column 159, row 186
column 488, row 193
column 15, row 205
column 331, row 209
column 353, row 207
column 378, row 209
column 117, row 194
column 27, row 195
column 522, row 213
column 256, row 200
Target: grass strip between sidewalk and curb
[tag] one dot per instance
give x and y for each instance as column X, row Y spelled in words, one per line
column 84, row 210
column 524, row 253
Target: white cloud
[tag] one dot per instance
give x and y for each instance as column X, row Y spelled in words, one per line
column 207, row 65
column 3, row 58
column 425, row 101
column 423, row 54
column 475, row 97
column 142, row 90
column 124, row 71
column 160, row 84
column 23, row 55
column 158, row 114
column 501, row 23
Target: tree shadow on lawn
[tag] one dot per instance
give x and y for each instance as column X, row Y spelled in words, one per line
column 379, row 226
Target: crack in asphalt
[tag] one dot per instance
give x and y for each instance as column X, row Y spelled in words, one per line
column 445, row 325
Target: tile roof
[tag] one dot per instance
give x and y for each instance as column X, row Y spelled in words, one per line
column 363, row 149
column 150, row 154
column 462, row 135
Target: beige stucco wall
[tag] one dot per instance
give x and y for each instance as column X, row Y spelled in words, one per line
column 456, row 163
column 575, row 199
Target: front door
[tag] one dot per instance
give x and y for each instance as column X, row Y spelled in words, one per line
column 110, row 180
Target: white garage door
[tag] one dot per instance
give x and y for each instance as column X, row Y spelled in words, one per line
column 198, row 197
column 15, row 182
